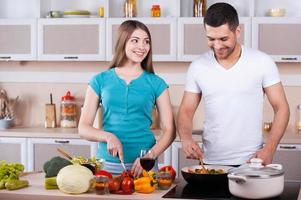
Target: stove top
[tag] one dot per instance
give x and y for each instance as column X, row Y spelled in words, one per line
column 188, row 191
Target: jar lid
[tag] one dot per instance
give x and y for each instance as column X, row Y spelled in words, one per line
column 67, row 96
column 156, row 6
column 255, row 169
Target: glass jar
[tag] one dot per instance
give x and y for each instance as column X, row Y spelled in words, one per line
column 101, row 184
column 130, row 8
column 68, row 111
column 156, row 11
column 164, row 180
column 199, row 8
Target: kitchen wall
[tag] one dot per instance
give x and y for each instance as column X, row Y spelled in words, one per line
column 33, row 96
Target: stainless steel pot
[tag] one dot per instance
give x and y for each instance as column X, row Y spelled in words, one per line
column 255, row 181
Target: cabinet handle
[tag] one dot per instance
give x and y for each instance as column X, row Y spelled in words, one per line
column 71, row 57
column 283, row 58
column 287, row 147
column 5, row 57
column 61, row 141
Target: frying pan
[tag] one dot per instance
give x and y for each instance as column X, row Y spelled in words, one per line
column 206, row 179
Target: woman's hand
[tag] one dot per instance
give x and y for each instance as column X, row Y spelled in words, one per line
column 137, row 169
column 114, row 146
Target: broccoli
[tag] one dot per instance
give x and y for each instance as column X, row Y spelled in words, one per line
column 53, row 166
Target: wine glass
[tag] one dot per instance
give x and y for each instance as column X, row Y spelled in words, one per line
column 146, row 161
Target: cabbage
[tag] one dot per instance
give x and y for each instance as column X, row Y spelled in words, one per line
column 74, row 179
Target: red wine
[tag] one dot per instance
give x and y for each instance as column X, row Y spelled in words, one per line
column 147, row 163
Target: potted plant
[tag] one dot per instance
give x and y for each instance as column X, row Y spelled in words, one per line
column 6, row 110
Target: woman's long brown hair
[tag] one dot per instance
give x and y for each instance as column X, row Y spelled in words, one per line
column 125, row 31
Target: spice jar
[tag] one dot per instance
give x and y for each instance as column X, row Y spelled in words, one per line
column 156, row 11
column 164, row 180
column 101, row 184
column 68, row 111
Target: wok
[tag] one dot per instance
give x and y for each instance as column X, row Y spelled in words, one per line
column 206, row 179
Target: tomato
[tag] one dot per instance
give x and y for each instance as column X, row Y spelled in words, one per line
column 127, row 185
column 170, row 170
column 104, row 173
column 114, row 185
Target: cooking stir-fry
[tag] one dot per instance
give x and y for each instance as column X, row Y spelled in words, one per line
column 206, row 171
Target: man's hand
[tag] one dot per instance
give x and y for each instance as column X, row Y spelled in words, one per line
column 191, row 149
column 265, row 154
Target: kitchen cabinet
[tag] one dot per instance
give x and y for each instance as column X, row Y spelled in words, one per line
column 42, row 149
column 192, row 40
column 71, row 39
column 284, row 45
column 17, row 39
column 60, row 39
column 13, row 150
column 163, row 33
column 289, row 155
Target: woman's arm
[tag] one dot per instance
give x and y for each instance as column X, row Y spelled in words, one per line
column 167, row 124
column 88, row 132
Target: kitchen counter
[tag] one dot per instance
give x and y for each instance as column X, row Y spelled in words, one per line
column 72, row 133
column 36, row 191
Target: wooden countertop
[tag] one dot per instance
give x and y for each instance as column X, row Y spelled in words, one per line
column 36, row 191
column 72, row 133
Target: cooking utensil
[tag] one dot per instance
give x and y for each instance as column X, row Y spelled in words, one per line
column 64, row 153
column 255, row 181
column 202, row 164
column 214, row 179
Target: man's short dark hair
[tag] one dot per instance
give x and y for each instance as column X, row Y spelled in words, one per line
column 221, row 13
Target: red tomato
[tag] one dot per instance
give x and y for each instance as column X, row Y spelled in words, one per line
column 114, row 185
column 104, row 173
column 170, row 170
column 127, row 185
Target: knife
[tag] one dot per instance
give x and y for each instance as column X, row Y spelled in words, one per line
column 122, row 164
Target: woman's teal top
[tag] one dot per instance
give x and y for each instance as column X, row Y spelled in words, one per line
column 127, row 111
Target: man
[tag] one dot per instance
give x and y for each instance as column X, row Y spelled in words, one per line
column 232, row 79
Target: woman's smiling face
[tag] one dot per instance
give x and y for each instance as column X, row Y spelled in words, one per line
column 138, row 46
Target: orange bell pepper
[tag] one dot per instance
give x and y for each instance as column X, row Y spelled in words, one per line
column 144, row 185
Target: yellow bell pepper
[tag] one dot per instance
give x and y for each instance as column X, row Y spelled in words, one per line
column 144, row 185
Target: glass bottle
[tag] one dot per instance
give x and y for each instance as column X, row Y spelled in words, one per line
column 68, row 111
column 299, row 118
column 130, row 8
column 199, row 8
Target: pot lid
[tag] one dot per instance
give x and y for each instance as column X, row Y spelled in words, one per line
column 255, row 169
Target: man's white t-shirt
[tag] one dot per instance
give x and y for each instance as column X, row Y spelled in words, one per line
column 233, row 102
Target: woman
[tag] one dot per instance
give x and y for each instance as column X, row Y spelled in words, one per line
column 128, row 92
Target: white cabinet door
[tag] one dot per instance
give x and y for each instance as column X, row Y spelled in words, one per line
column 192, row 40
column 163, row 33
column 17, row 39
column 41, row 150
column 290, row 157
column 179, row 159
column 13, row 150
column 278, row 37
column 71, row 39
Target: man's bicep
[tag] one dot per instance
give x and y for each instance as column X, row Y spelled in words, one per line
column 275, row 94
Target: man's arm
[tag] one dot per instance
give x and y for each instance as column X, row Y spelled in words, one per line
column 186, row 112
column 277, row 99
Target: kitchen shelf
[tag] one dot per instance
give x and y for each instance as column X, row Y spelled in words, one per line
column 174, row 14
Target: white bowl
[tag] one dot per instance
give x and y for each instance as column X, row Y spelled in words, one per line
column 276, row 12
